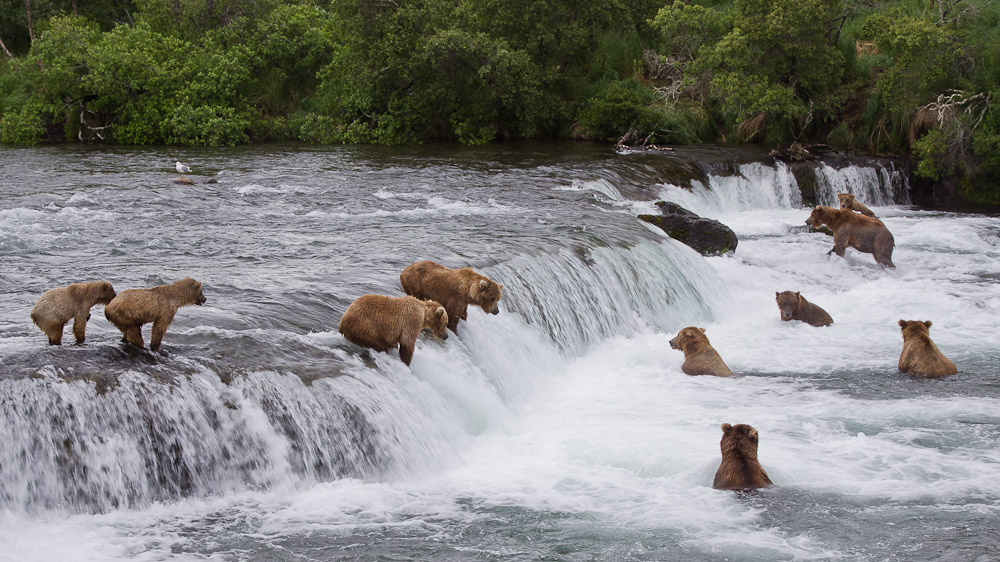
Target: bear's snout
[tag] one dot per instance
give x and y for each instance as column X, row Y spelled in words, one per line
column 496, row 309
column 201, row 300
column 673, row 344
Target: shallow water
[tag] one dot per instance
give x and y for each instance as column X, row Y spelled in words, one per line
column 560, row 429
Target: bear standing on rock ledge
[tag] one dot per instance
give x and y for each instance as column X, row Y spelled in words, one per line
column 740, row 469
column 57, row 306
column 455, row 289
column 850, row 229
column 135, row 307
column 381, row 323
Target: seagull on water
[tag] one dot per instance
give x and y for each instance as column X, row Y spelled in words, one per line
column 181, row 168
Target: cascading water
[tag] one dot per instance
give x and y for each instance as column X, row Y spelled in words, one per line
column 561, row 428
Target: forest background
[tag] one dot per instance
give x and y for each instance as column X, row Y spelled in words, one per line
column 914, row 78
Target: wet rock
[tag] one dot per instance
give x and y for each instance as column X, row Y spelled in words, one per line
column 708, row 237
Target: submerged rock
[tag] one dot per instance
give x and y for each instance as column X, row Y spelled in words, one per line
column 706, row 236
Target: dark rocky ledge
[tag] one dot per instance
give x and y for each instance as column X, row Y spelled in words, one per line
column 708, row 237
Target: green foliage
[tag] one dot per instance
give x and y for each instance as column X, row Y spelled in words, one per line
column 686, row 27
column 22, row 126
column 931, row 150
column 924, row 58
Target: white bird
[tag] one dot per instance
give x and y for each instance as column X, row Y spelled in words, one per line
column 181, row 168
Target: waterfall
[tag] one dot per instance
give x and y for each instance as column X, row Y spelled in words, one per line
column 152, row 436
column 759, row 186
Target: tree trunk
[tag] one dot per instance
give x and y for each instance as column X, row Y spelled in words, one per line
column 5, row 51
column 31, row 28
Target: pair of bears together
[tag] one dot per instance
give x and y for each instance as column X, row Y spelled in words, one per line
column 127, row 310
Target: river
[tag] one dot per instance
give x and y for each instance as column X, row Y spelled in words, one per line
column 560, row 429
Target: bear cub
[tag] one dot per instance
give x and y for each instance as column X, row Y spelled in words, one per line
column 740, row 469
column 382, row 323
column 57, row 306
column 135, row 307
column 455, row 289
column 794, row 306
column 920, row 356
column 848, row 201
column 700, row 358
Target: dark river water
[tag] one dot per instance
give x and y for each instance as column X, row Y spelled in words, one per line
column 560, row 429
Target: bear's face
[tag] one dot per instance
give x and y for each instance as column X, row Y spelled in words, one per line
column 686, row 336
column 436, row 319
column 912, row 328
column 192, row 290
column 817, row 217
column 788, row 302
column 487, row 295
column 739, row 441
column 107, row 292
column 846, row 200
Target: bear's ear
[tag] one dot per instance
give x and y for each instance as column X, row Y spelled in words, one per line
column 726, row 427
column 902, row 323
column 927, row 323
column 439, row 312
column 702, row 330
column 776, row 295
column 483, row 284
column 798, row 294
column 752, row 433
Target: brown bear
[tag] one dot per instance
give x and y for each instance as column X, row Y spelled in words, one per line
column 848, row 201
column 455, row 289
column 740, row 469
column 794, row 306
column 700, row 358
column 920, row 356
column 862, row 233
column 57, row 306
column 135, row 307
column 381, row 323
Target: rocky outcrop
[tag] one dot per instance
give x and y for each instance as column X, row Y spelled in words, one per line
column 708, row 237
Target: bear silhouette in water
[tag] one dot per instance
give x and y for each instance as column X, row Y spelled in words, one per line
column 700, row 358
column 920, row 356
column 739, row 469
column 794, row 306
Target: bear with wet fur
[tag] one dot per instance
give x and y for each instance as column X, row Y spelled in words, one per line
column 700, row 358
column 135, row 307
column 851, row 229
column 381, row 323
column 848, row 201
column 920, row 356
column 740, row 469
column 794, row 306
column 58, row 306
column 455, row 289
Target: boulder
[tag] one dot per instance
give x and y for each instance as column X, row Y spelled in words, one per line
column 708, row 237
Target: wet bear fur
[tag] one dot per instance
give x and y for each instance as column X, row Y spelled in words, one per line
column 794, row 306
column 920, row 356
column 455, row 289
column 700, row 358
column 58, row 306
column 851, row 229
column 381, row 323
column 848, row 201
column 740, row 469
column 135, row 307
